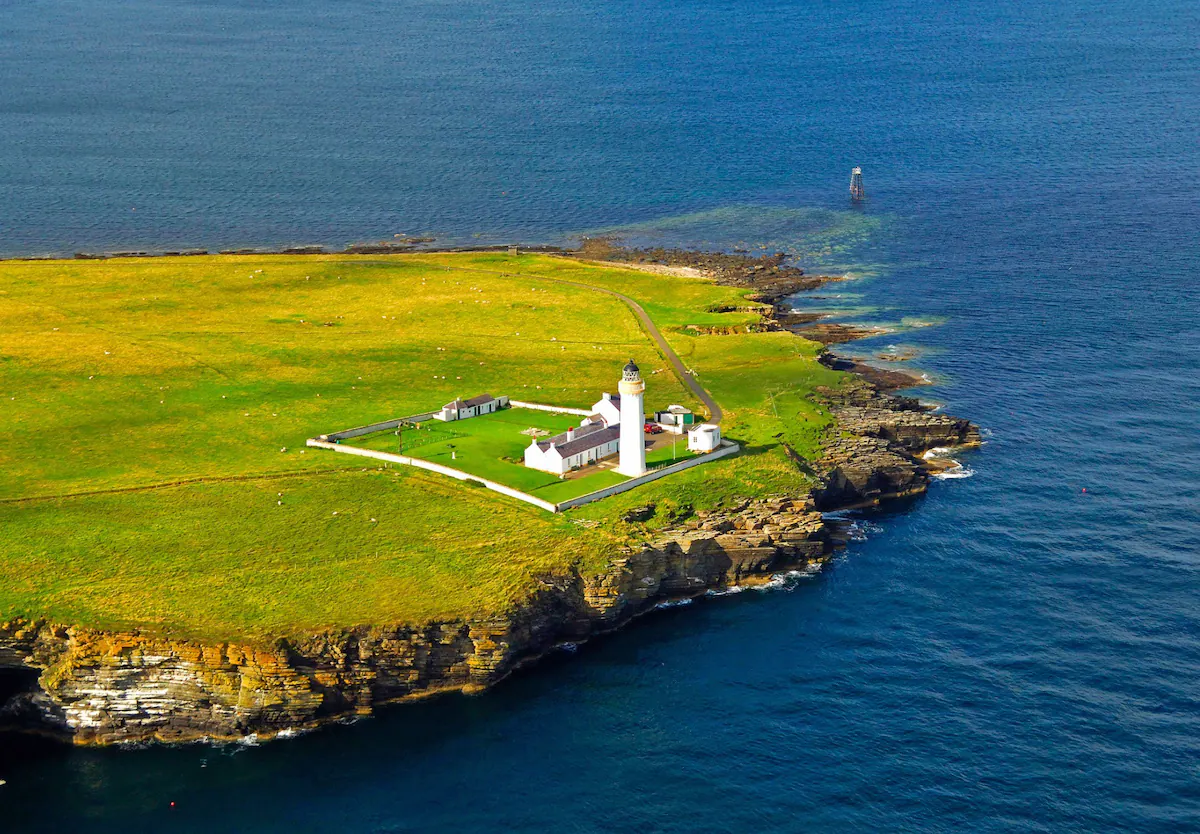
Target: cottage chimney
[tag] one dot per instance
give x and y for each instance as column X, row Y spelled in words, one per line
column 570, row 434
column 607, row 395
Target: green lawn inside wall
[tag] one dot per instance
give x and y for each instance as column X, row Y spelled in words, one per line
column 155, row 413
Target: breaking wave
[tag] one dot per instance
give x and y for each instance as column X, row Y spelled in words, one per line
column 785, row 581
column 956, row 471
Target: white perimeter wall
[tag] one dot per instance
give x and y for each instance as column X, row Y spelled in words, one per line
column 727, row 448
column 539, row 407
column 435, row 467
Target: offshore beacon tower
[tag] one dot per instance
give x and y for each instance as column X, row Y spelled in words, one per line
column 633, row 422
column 857, row 192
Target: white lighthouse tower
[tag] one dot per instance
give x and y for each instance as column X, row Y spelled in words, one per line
column 633, row 422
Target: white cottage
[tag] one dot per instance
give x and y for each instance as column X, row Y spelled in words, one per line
column 606, row 411
column 461, row 409
column 573, row 449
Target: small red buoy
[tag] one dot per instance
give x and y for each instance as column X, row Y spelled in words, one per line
column 1085, row 489
column 172, row 804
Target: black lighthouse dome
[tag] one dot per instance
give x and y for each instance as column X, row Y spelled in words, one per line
column 631, row 372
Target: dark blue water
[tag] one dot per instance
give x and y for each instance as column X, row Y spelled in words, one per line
column 1010, row 652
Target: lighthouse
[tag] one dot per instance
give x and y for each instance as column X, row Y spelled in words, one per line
column 633, row 422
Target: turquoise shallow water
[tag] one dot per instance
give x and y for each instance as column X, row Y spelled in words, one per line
column 1007, row 653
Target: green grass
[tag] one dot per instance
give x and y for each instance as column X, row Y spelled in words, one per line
column 121, row 378
column 492, row 447
column 260, row 559
column 666, row 454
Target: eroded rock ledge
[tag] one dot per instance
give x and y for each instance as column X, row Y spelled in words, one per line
column 95, row 687
column 875, row 451
column 770, row 276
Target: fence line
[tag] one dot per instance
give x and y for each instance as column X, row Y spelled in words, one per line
column 416, row 439
column 582, row 412
column 457, row 474
column 346, row 434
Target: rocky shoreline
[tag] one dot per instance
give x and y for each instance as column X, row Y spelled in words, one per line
column 95, row 687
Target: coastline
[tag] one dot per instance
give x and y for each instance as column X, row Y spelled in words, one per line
column 97, row 687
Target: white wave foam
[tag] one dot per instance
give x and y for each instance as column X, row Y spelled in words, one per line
column 674, row 603
column 860, row 530
column 789, row 580
column 855, row 527
column 956, row 471
column 724, row 592
column 778, row 582
column 937, row 452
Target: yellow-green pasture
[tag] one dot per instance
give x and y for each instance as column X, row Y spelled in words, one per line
column 154, row 409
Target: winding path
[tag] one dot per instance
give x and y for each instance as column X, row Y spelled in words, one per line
column 685, row 376
column 651, row 329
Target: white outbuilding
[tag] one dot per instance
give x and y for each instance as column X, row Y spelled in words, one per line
column 705, row 437
column 676, row 419
column 461, row 409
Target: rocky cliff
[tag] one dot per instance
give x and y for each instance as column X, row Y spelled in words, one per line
column 96, row 687
column 875, row 449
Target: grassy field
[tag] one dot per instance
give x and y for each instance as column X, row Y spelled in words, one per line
column 156, row 409
column 492, row 447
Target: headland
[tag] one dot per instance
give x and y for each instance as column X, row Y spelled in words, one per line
column 177, row 565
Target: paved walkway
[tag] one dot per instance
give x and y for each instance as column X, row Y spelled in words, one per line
column 681, row 371
column 652, row 330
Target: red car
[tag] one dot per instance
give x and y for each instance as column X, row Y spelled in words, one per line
column 653, row 428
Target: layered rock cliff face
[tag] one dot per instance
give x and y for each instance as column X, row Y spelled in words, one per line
column 96, row 687
column 875, row 449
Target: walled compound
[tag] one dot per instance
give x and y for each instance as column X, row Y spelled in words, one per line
column 615, row 425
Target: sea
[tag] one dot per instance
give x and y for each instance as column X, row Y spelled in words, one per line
column 1018, row 650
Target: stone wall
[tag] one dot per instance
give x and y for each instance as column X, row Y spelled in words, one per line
column 434, row 467
column 582, row 412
